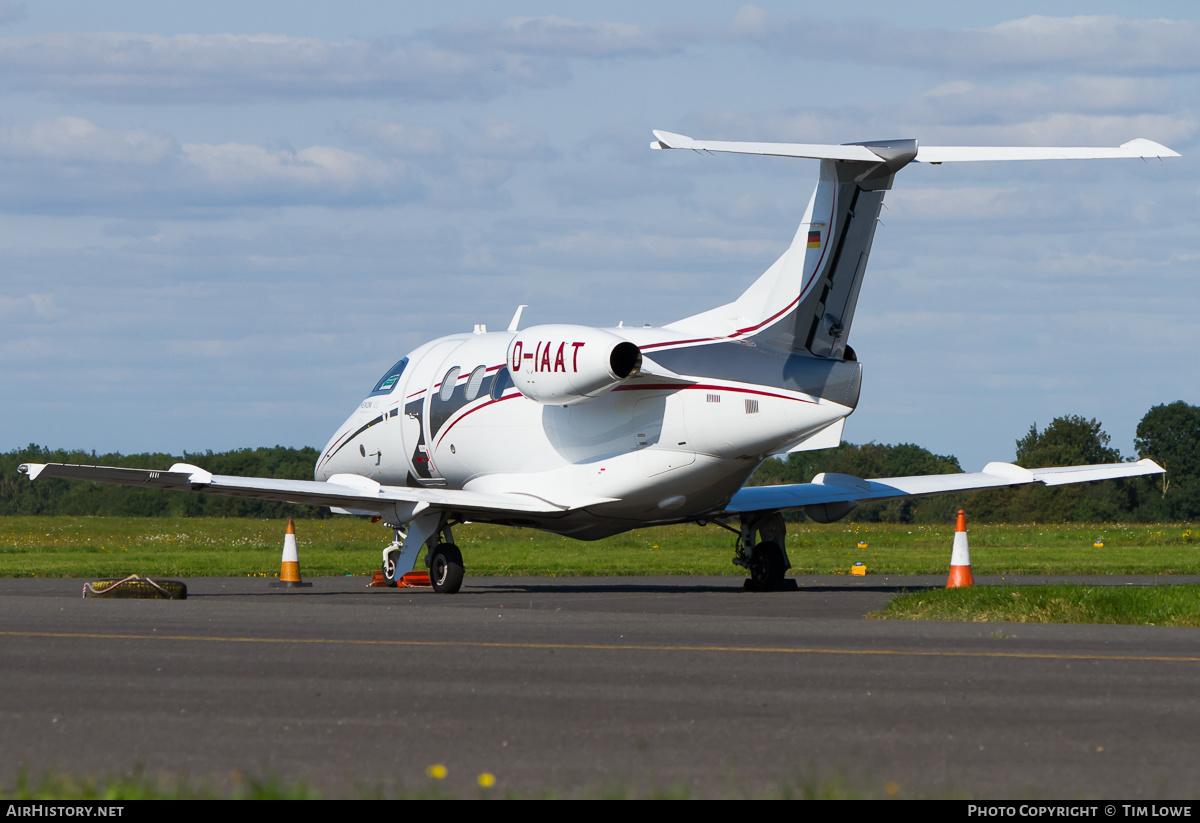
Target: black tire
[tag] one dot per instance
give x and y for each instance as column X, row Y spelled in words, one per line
column 389, row 568
column 136, row 589
column 767, row 566
column 446, row 568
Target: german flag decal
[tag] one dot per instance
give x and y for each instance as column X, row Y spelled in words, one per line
column 814, row 238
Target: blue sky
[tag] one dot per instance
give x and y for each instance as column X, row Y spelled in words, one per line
column 221, row 222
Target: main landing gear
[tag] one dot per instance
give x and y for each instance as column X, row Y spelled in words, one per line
column 766, row 559
column 445, row 561
column 446, row 568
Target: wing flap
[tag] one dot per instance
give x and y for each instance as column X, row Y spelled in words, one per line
column 840, row 488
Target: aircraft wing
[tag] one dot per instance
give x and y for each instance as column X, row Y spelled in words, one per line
column 348, row 492
column 829, row 488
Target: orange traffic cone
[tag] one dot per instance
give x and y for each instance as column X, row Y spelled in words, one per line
column 289, row 568
column 960, row 557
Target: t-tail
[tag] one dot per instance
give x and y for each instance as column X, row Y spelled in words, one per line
column 804, row 303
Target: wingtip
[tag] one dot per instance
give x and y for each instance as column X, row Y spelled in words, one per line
column 1148, row 148
column 31, row 469
column 670, row 140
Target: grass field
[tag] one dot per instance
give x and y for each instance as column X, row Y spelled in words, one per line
column 141, row 786
column 1141, row 605
column 219, row 547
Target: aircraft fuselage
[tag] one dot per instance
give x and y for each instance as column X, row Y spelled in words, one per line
column 645, row 449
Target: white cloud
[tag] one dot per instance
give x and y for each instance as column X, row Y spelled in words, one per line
column 962, row 101
column 1102, row 43
column 468, row 165
column 488, row 137
column 479, row 59
column 40, row 306
column 227, row 67
column 76, row 140
column 402, row 139
column 72, row 165
column 551, row 36
column 495, row 137
column 1107, row 44
column 240, row 167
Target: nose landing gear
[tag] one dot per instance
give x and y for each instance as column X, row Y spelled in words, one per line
column 445, row 561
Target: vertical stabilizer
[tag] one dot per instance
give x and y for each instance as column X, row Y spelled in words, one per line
column 805, row 302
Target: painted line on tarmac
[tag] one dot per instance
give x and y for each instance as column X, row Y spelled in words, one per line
column 601, row 646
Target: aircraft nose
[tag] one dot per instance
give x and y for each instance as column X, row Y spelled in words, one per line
column 327, row 463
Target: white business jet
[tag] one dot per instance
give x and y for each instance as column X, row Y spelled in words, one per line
column 590, row 432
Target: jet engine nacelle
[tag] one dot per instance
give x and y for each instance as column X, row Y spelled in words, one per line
column 563, row 365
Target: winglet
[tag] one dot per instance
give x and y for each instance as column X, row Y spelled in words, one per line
column 31, row 469
column 195, row 474
column 1142, row 147
column 670, row 140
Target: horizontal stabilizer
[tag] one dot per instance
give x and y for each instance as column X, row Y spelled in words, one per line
column 1139, row 147
column 841, row 488
column 815, row 151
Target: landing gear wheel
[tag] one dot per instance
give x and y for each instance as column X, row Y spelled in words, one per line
column 446, row 568
column 767, row 567
column 389, row 568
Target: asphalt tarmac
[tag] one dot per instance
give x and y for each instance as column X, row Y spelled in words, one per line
column 589, row 686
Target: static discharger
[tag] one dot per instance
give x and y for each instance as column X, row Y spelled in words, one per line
column 289, row 568
column 960, row 557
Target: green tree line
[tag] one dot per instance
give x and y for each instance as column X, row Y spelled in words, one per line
column 1169, row 434
column 54, row 496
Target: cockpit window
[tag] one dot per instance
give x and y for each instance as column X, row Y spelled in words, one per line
column 389, row 380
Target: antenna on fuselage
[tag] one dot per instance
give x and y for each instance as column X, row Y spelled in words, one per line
column 516, row 318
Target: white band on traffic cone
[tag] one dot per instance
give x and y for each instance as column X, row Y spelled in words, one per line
column 289, row 567
column 960, row 556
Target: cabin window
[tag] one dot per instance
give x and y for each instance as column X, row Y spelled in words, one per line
column 500, row 382
column 448, row 384
column 475, row 382
column 389, row 380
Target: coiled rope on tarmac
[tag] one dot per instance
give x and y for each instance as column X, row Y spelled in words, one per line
column 136, row 588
